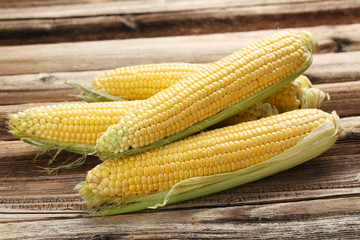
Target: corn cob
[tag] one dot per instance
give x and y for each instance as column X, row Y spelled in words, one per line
column 209, row 162
column 141, row 82
column 135, row 82
column 74, row 127
column 231, row 84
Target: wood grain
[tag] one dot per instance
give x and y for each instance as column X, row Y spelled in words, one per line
column 259, row 221
column 344, row 98
column 132, row 19
column 50, row 87
column 100, row 55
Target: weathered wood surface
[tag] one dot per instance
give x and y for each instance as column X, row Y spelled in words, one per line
column 34, row 22
column 41, row 69
column 316, row 200
column 100, row 55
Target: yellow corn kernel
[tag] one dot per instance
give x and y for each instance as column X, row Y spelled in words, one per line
column 200, row 96
column 224, row 149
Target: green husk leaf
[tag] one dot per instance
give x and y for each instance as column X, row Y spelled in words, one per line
column 82, row 149
column 70, row 163
column 231, row 111
column 92, row 95
column 317, row 142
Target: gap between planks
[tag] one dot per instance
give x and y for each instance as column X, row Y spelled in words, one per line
column 114, row 20
column 100, row 55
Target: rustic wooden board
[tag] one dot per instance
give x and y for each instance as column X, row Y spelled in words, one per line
column 283, row 220
column 292, row 198
column 318, row 199
column 55, row 22
column 50, row 86
column 35, row 79
column 99, row 55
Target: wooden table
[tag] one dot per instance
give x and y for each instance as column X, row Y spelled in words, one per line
column 45, row 44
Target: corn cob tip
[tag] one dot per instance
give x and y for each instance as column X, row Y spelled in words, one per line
column 308, row 96
column 311, row 97
column 337, row 123
column 309, row 40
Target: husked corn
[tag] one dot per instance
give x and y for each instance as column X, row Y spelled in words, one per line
column 142, row 81
column 208, row 91
column 217, row 151
column 69, row 123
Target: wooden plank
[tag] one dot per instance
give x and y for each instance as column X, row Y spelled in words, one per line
column 341, row 94
column 334, row 67
column 50, row 87
column 35, row 88
column 284, row 220
column 19, row 159
column 130, row 19
column 99, row 55
column 135, row 7
column 37, row 3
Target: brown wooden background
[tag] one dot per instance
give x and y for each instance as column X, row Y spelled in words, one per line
column 44, row 43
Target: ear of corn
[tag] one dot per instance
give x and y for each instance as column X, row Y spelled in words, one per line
column 212, row 94
column 22, row 124
column 209, row 162
column 73, row 127
column 135, row 82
